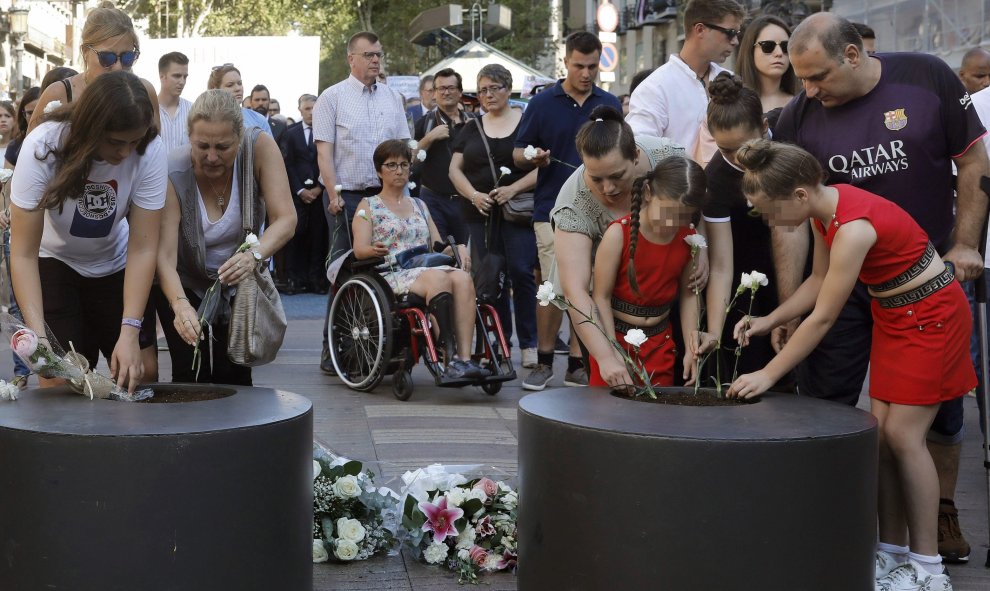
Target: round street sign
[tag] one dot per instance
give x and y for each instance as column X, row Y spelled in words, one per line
column 608, row 17
column 609, row 59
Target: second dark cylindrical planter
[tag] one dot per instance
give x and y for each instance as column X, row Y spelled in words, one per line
column 623, row 494
column 206, row 495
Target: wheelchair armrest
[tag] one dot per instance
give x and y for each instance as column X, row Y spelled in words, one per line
column 358, row 265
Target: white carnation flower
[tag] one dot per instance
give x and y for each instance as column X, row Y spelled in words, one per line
column 5, row 174
column 466, row 538
column 350, row 529
column 635, row 337
column 411, row 185
column 529, row 153
column 316, row 469
column 252, row 240
column 9, row 391
column 696, row 241
column 345, row 549
column 319, row 552
column 491, row 563
column 455, row 497
column 476, row 493
column 338, row 188
column 435, row 553
column 347, row 487
column 421, row 155
column 52, row 106
column 413, row 144
column 758, row 279
column 504, row 170
column 464, row 555
column 545, row 293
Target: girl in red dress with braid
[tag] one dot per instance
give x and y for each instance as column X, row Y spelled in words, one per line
column 920, row 351
column 642, row 266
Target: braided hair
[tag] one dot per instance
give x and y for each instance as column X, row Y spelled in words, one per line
column 676, row 178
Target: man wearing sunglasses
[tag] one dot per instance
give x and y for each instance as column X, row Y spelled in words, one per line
column 673, row 100
column 350, row 120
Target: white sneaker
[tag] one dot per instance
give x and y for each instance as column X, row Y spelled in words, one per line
column 911, row 576
column 529, row 358
column 885, row 563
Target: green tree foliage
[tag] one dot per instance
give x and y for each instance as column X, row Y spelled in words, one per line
column 334, row 21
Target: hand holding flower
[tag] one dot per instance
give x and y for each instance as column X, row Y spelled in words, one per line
column 750, row 385
column 702, row 342
column 751, row 326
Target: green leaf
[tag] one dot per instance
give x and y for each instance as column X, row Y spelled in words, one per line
column 352, row 468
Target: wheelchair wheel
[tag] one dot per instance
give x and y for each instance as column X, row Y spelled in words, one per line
column 360, row 332
column 491, row 388
column 402, row 384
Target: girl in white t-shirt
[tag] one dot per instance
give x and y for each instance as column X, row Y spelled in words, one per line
column 86, row 200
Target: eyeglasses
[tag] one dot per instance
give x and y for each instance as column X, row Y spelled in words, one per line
column 108, row 58
column 767, row 47
column 730, row 33
column 490, row 90
column 370, row 55
column 394, row 166
column 445, row 89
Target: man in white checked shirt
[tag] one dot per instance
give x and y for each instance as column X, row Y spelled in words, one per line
column 350, row 119
column 173, row 70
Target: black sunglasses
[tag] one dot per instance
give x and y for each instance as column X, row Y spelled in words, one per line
column 767, row 47
column 108, row 58
column 730, row 33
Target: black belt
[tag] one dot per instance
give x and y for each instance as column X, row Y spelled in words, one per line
column 940, row 281
column 450, row 196
column 913, row 271
column 366, row 192
column 637, row 310
column 650, row 331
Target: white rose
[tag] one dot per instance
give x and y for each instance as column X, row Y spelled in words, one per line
column 350, row 529
column 421, row 155
column 491, row 563
column 347, row 487
column 635, row 337
column 545, row 293
column 252, row 240
column 345, row 550
column 338, row 188
column 411, row 185
column 478, row 494
column 5, row 174
column 504, row 170
column 319, row 552
column 435, row 553
column 466, row 538
column 464, row 555
column 413, row 144
column 52, row 106
column 529, row 153
column 316, row 469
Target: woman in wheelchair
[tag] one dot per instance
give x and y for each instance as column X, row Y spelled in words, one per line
column 392, row 222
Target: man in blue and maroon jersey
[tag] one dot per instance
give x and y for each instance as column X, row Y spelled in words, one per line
column 892, row 124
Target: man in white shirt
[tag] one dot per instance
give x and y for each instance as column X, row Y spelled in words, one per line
column 350, row 120
column 173, row 110
column 673, row 100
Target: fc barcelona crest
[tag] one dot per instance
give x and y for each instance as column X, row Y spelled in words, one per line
column 895, row 120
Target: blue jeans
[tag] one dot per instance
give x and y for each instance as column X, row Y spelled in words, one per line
column 518, row 244
column 974, row 341
column 20, row 368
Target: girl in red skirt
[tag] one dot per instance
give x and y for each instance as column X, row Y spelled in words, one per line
column 920, row 352
column 642, row 266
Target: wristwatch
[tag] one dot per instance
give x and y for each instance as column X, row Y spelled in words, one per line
column 257, row 255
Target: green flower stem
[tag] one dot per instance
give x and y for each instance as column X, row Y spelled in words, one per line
column 735, row 366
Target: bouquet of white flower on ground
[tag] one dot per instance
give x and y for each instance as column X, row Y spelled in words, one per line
column 352, row 518
column 465, row 525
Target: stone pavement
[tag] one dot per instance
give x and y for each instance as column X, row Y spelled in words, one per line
column 466, row 426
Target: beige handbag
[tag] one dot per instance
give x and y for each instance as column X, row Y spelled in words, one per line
column 257, row 319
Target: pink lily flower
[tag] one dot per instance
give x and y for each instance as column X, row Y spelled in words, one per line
column 439, row 519
column 508, row 560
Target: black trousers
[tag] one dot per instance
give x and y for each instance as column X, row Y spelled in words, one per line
column 306, row 252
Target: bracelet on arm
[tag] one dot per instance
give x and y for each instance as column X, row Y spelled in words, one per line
column 134, row 322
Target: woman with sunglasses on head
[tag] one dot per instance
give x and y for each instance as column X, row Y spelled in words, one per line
column 228, row 79
column 86, row 201
column 763, row 63
column 202, row 230
column 109, row 44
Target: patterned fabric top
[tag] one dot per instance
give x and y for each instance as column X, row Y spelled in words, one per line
column 395, row 232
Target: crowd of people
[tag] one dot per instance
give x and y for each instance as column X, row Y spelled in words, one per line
column 850, row 178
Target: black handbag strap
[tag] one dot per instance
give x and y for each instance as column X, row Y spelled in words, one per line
column 491, row 165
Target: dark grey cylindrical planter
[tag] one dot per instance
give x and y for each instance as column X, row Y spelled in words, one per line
column 208, row 495
column 622, row 494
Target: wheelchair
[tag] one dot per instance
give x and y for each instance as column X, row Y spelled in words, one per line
column 373, row 333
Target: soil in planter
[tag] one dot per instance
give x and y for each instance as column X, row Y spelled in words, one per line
column 686, row 397
column 166, row 394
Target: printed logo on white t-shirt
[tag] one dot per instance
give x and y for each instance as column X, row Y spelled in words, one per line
column 96, row 210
